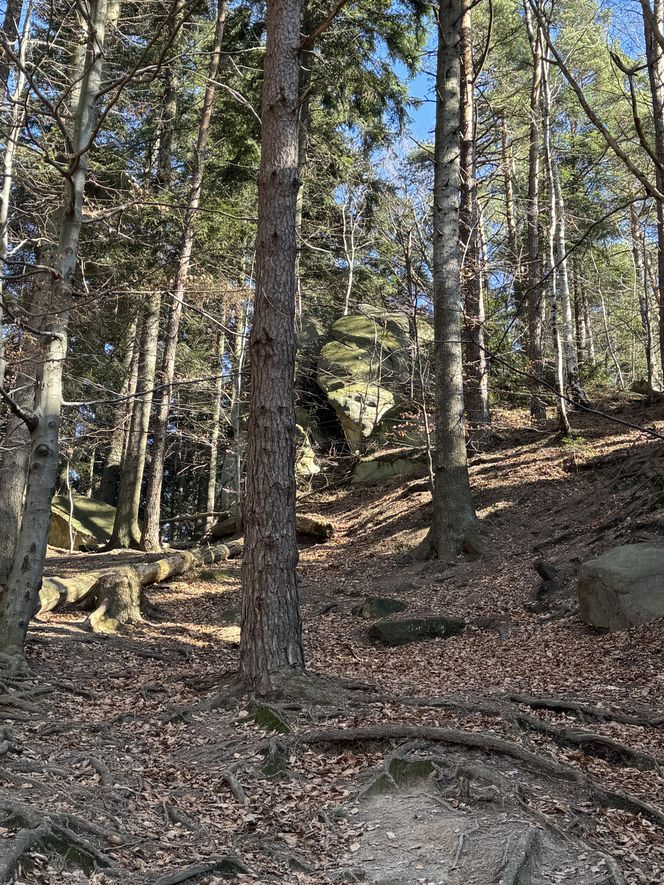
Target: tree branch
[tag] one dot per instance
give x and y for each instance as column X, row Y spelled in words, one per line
column 308, row 42
column 29, row 419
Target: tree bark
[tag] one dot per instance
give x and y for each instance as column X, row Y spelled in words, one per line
column 553, row 257
column 110, row 480
column 454, row 525
column 655, row 62
column 534, row 275
column 126, row 529
column 19, row 595
column 271, row 627
column 151, row 539
column 477, row 375
column 213, row 462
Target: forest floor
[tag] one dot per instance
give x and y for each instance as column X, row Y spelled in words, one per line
column 434, row 766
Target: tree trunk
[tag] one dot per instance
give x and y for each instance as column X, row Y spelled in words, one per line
column 126, row 530
column 20, row 592
column 553, row 257
column 213, row 462
column 16, row 118
column 151, row 539
column 271, row 628
column 655, row 62
column 454, row 522
column 110, row 479
column 641, row 286
column 477, row 376
column 11, row 22
column 513, row 244
column 57, row 591
column 535, row 304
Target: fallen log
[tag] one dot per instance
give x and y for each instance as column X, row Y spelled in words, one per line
column 309, row 526
column 117, row 588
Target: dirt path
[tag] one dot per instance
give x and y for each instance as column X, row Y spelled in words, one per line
column 124, row 741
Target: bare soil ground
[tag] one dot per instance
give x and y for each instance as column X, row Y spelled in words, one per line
column 120, row 748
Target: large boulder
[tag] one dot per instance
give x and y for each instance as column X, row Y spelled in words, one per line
column 623, row 587
column 90, row 521
column 388, row 465
column 361, row 369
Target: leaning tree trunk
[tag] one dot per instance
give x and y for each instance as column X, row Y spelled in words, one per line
column 454, row 522
column 19, row 595
column 641, row 286
column 534, row 274
column 271, row 640
column 150, row 539
column 477, row 375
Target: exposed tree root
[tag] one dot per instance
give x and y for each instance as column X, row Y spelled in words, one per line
column 19, row 814
column 228, row 867
column 55, row 840
column 489, row 743
column 519, row 859
column 558, row 705
column 588, row 742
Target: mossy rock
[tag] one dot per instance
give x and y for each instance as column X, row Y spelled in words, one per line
column 375, row 607
column 400, row 632
column 269, row 718
column 306, row 464
column 382, row 468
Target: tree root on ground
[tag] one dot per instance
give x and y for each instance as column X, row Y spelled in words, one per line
column 519, row 859
column 55, row 840
column 489, row 743
column 590, row 743
column 558, row 705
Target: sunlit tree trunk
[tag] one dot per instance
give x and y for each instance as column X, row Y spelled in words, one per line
column 19, row 595
column 271, row 640
column 655, row 62
column 126, row 528
column 534, row 275
column 150, row 539
column 454, row 522
column 110, row 478
column 213, row 461
column 476, row 368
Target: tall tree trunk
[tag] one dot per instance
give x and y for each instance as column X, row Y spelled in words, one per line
column 454, row 522
column 110, row 478
column 16, row 117
column 553, row 268
column 513, row 243
column 271, row 638
column 535, row 302
column 150, row 539
column 655, row 61
column 641, row 287
column 11, row 23
column 213, row 461
column 126, row 529
column 19, row 595
column 477, row 375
